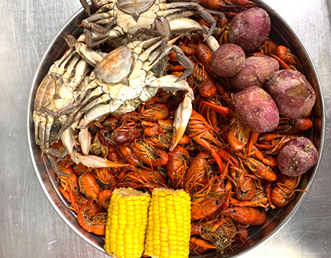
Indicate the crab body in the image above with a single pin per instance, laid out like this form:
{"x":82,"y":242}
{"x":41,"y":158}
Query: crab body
{"x":123,"y":79}
{"x":122,"y":76}
{"x":56,"y":93}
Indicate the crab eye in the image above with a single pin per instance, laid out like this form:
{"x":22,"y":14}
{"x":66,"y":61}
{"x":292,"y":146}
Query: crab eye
{"x":115,"y":66}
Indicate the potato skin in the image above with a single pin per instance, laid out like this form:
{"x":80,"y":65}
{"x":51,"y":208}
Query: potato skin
{"x":250,"y":28}
{"x":227,"y":60}
{"x":256,"y":71}
{"x":256,"y":109}
{"x":297,"y":156}
{"x":292,"y":93}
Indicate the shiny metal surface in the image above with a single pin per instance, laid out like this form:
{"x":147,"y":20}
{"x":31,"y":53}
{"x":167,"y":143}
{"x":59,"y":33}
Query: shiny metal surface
{"x":30,"y":227}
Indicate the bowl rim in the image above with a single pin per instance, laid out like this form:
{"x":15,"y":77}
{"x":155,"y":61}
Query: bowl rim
{"x":58,"y":206}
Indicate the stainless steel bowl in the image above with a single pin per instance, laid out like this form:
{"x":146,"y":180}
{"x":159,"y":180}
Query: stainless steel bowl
{"x":276,"y":219}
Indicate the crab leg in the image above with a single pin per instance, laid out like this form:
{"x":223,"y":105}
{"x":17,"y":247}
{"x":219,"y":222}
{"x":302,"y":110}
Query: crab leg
{"x":98,"y":162}
{"x":86,"y":7}
{"x":211,"y":41}
{"x":201,"y":11}
{"x":184,"y":25}
{"x":89,"y":55}
{"x":98,"y":111}
{"x":184,"y":61}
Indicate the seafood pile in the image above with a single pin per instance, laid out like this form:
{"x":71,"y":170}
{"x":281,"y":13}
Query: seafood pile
{"x":135,"y":102}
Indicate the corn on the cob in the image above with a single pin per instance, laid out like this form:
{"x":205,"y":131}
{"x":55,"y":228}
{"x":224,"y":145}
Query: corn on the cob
{"x":126,"y":223}
{"x":168,"y":228}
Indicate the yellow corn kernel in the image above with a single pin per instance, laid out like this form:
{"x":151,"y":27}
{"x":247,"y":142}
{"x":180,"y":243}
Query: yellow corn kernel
{"x":168,"y":236}
{"x":126,"y":223}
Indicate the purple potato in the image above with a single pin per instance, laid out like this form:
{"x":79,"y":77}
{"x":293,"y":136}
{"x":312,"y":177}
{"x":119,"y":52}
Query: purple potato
{"x":297,"y":156}
{"x":256,"y":109}
{"x":256,"y":72}
{"x":227,"y":60}
{"x":250,"y":28}
{"x":293,"y":94}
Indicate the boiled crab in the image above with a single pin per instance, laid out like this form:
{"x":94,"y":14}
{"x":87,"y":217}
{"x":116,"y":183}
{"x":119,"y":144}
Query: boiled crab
{"x":118,"y":19}
{"x":119,"y":83}
{"x":56,"y":93}
{"x":55,"y":97}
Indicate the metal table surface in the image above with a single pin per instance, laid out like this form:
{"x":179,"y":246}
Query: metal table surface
{"x":30,"y":227}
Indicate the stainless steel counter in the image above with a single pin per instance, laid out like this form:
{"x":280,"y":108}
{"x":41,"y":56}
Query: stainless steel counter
{"x":30,"y":227}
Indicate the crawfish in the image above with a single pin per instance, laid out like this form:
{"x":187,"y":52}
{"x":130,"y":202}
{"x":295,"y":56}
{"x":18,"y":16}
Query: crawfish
{"x":104,"y":198}
{"x":272,"y":143}
{"x":125,"y":133}
{"x":146,"y":153}
{"x":246,"y":215}
{"x":284,"y":191}
{"x":237,"y":135}
{"x":154,"y":112}
{"x":91,"y":218}
{"x":244,"y":185}
{"x":198,"y":245}
{"x":113,"y":155}
{"x":216,"y":104}
{"x":203,"y":134}
{"x":260,"y":170}
{"x":177,"y":166}
{"x":202,"y":207}
{"x":208,"y":200}
{"x":128,"y":155}
{"x":151,"y":129}
{"x":293,"y":126}
{"x":259,"y":200}
{"x":105,"y":175}
{"x":197,"y":172}
{"x":80,"y":169}
{"x":269,"y":161}
{"x":269,"y":47}
{"x":162,"y":141}
{"x":110,"y":122}
{"x":286,"y":59}
{"x":68,"y":185}
{"x":143,"y":176}
{"x":89,"y":186}
{"x":219,"y":232}
{"x":132,"y":116}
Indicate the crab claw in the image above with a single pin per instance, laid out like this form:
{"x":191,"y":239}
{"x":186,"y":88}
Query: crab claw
{"x":84,"y":138}
{"x":182,"y":117}
{"x":97,"y":162}
{"x":69,"y":143}
{"x":183,"y":113}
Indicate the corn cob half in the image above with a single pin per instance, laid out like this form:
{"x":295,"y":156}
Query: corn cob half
{"x":126,"y":223}
{"x":169,"y":224}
